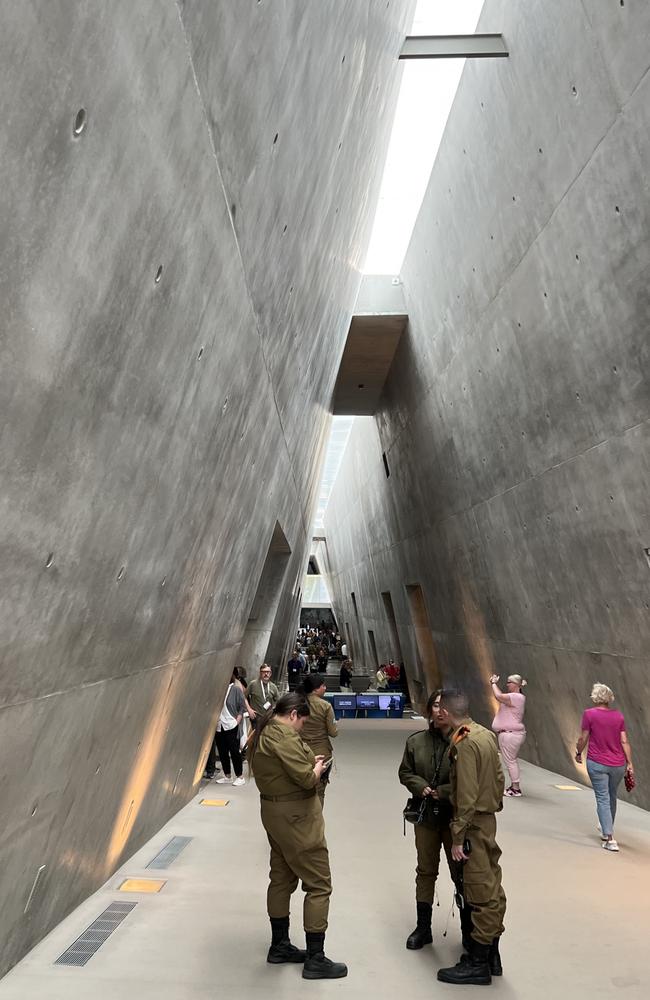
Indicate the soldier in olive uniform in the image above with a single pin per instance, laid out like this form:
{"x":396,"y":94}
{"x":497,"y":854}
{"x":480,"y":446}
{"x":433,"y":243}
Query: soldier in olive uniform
{"x":287,"y":773}
{"x":477,"y":788}
{"x":425,"y":772}
{"x":319,"y":728}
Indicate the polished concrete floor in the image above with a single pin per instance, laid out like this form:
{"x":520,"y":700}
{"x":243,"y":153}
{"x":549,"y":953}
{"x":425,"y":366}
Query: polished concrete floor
{"x":576,"y":924}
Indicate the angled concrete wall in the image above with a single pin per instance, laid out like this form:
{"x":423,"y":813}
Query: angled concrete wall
{"x":515,"y":417}
{"x":177,"y":281}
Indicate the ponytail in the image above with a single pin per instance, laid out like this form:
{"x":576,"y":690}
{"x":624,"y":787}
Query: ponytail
{"x":285,"y":705}
{"x":518,"y":680}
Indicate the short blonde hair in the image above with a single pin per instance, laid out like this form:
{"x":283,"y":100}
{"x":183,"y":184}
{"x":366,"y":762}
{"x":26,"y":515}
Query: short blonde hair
{"x":601,"y":694}
{"x":518,"y":680}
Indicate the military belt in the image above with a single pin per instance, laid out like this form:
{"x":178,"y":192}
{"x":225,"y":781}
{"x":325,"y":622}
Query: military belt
{"x":290,"y":796}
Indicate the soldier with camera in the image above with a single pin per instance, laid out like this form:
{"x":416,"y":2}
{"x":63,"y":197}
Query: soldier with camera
{"x":425,"y":772}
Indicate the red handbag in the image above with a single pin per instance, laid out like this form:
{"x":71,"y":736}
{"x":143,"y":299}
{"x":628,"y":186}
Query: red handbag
{"x":630,"y":783}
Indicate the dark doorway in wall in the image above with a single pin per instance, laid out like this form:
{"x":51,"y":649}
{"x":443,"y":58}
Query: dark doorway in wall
{"x":360,"y":645}
{"x":261,"y":617}
{"x":428,"y":670}
{"x":373,"y":648}
{"x":347,"y":639}
{"x":396,"y":647}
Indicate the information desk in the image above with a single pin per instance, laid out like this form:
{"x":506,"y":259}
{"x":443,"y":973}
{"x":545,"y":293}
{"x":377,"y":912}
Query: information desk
{"x":370,"y":705}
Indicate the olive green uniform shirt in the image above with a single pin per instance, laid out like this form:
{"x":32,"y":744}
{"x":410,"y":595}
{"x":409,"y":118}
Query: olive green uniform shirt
{"x":424,"y":754}
{"x":282,"y":763}
{"x":257,"y":694}
{"x":426,"y":764}
{"x":320,"y":727}
{"x":477,"y":783}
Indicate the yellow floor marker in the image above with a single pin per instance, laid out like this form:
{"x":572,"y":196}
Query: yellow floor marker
{"x":568,"y":788}
{"x":214,"y":802}
{"x":142,"y":885}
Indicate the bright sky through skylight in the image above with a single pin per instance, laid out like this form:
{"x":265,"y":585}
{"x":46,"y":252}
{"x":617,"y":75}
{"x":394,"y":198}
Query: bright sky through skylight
{"x":426,"y":96}
{"x":427,"y":93}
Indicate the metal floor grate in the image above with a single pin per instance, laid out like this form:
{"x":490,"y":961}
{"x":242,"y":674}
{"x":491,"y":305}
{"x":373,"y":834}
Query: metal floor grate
{"x":94,"y":936}
{"x":169,"y":853}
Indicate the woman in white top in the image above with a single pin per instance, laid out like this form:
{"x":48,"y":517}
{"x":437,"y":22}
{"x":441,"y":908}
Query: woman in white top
{"x":509,"y":726}
{"x":227,"y":737}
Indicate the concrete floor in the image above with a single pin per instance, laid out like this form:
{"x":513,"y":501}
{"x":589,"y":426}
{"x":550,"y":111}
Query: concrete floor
{"x":574,"y":923}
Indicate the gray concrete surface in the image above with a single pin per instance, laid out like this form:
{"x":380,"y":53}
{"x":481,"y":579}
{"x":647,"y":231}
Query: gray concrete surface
{"x":573,"y":927}
{"x":515,"y":417}
{"x":154,"y":432}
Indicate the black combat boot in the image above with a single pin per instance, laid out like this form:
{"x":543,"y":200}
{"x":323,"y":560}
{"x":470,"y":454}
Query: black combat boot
{"x":494,"y":959}
{"x":316,"y":965}
{"x":281,"y":949}
{"x":471,"y":970}
{"x":422,"y":934}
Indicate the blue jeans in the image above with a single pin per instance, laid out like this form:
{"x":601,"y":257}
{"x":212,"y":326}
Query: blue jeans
{"x":605,"y":781}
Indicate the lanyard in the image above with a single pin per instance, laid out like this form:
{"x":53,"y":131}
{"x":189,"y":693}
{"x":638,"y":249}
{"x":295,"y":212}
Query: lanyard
{"x":265,"y":694}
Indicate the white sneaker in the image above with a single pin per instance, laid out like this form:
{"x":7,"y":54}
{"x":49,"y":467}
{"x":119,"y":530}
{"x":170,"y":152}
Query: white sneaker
{"x":224,"y":781}
{"x":240,"y":781}
{"x":610,"y":845}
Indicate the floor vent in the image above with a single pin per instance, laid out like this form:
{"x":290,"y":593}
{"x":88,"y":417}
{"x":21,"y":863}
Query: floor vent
{"x":170,"y":852}
{"x":94,"y":936}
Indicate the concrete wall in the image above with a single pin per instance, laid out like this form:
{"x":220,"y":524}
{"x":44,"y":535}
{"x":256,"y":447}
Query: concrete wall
{"x":515,"y":417}
{"x":155,"y":432}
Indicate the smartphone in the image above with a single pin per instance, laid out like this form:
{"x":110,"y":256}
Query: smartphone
{"x":325,"y":773}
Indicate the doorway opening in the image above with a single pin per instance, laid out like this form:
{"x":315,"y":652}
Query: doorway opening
{"x":373,"y":648}
{"x":261,"y":617}
{"x":428,"y":672}
{"x":347,"y":637}
{"x":396,"y":646}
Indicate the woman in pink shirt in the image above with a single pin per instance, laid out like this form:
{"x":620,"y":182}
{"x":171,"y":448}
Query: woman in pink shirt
{"x":509,"y":726}
{"x":608,"y":758}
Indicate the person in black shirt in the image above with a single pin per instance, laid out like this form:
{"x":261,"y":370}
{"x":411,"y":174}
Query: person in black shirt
{"x":322,"y":660}
{"x":294,"y":670}
{"x":345,"y":676}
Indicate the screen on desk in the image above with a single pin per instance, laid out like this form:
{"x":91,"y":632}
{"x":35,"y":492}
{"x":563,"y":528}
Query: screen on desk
{"x":388,"y":701}
{"x":345,"y":702}
{"x":369,"y":701}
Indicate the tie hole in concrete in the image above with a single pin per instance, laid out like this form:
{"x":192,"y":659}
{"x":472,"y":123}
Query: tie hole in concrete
{"x":79,"y":123}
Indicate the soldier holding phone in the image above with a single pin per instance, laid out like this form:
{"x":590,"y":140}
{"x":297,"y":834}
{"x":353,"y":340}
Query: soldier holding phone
{"x":320,"y":728}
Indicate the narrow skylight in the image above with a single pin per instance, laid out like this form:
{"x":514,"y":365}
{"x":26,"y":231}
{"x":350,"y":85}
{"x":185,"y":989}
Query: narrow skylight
{"x":426,"y":96}
{"x":339,"y":434}
{"x":427,"y":93}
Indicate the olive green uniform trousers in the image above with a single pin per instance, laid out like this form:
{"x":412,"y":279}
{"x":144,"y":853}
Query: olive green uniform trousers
{"x":482,"y":879}
{"x":296,"y":833}
{"x":429,"y":841}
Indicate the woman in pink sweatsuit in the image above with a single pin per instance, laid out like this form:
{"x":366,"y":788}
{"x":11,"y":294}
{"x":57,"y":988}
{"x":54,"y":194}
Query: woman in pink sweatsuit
{"x":509,"y":726}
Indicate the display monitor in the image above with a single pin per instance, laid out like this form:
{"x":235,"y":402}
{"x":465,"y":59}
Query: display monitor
{"x":345,"y":702}
{"x":388,"y":701}
{"x":368,"y":701}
